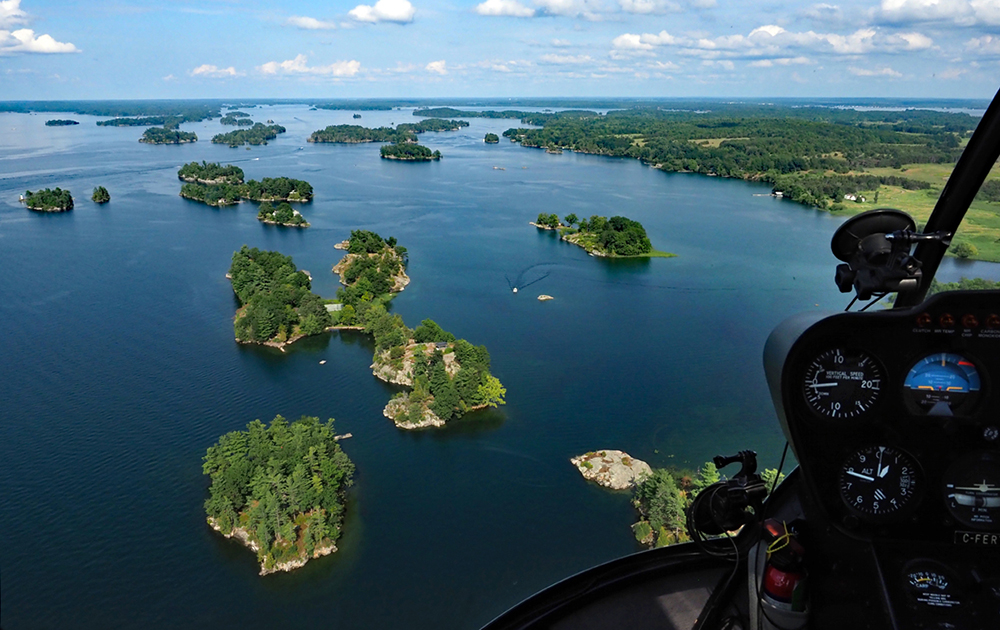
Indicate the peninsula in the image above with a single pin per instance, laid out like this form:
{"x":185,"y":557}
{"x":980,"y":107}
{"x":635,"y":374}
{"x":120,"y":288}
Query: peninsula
{"x":279,"y":490}
{"x":617,"y":237}
{"x":277,"y":307}
{"x":162,"y":135}
{"x":449,"y":377}
{"x":49,"y":200}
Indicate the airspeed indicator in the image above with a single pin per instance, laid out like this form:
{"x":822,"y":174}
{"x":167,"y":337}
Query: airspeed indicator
{"x":842,"y":384}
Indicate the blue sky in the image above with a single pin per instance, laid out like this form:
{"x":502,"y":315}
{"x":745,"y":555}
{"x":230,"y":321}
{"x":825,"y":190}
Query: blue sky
{"x":91,"y":49}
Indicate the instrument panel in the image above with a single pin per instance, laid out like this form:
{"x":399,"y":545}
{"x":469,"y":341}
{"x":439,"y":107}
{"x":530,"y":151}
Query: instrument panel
{"x":894,"y":416}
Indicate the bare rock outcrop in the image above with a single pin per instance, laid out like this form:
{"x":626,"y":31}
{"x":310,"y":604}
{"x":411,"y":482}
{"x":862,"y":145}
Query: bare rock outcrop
{"x":612,"y":469}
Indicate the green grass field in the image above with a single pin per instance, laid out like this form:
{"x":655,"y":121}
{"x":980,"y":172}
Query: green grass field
{"x":981,"y":226}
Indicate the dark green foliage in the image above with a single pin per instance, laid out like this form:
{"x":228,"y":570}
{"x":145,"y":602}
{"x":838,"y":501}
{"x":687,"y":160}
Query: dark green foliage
{"x":571,"y":219}
{"x":213,"y":172}
{"x":101,"y":195}
{"x":283,"y":214}
{"x":660,"y":501}
{"x":58,"y":122}
{"x":268,"y":189}
{"x":491,"y":138}
{"x":284,"y":484}
{"x":162,"y":135}
{"x":817,"y":189}
{"x":352,"y":134}
{"x":964,"y":250}
{"x":239,"y":119}
{"x":277,"y":188}
{"x":409,"y":152}
{"x":365,"y":242}
{"x":548,"y":220}
{"x":624,"y":237}
{"x":215,"y":195}
{"x":990,"y":191}
{"x":449,"y":112}
{"x":432,"y":124}
{"x":49,"y":200}
{"x":430,"y":331}
{"x":965,"y":284}
{"x":168,"y":122}
{"x":258,"y":134}
{"x":276,"y":298}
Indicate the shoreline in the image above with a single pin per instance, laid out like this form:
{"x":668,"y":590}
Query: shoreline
{"x":596,"y":252}
{"x":243,"y":536}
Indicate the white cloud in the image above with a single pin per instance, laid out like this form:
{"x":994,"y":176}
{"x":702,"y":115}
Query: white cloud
{"x":25,"y":41}
{"x":11,"y":14}
{"x":399,"y":11}
{"x":587,"y":9}
{"x":311,"y":24}
{"x":909,"y":41}
{"x":987,"y":45}
{"x":669,"y":66}
{"x":170,"y":77}
{"x":567,"y":59}
{"x":437,"y":67}
{"x":561,"y":43}
{"x":299,"y":66}
{"x":951,"y":73}
{"x":649,"y":6}
{"x":874,"y":72}
{"x":215,"y":72}
{"x":962,"y":12}
{"x":780,"y":61}
{"x":508,"y":8}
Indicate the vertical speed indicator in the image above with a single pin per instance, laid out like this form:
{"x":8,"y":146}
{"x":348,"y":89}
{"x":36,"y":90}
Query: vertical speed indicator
{"x":841,"y":384}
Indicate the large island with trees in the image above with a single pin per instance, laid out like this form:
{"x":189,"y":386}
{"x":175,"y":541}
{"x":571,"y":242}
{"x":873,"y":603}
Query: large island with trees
{"x":408,"y":152}
{"x":277,"y":306}
{"x":49,"y":200}
{"x":258,"y":134}
{"x":617,"y":237}
{"x":163,"y":135}
{"x":217,"y":185}
{"x":279,"y":490}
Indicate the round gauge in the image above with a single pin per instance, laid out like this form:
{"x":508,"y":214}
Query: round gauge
{"x":879,"y":483}
{"x":842,"y":384}
{"x":942,"y":384}
{"x":972,"y":490}
{"x":931,"y":586}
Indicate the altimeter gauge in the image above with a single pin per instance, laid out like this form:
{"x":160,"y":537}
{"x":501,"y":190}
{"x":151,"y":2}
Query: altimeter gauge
{"x":879,"y":483}
{"x":972,"y":490}
{"x":841,"y":384}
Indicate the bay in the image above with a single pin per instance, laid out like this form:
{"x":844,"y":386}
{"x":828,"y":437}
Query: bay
{"x":119,"y":368}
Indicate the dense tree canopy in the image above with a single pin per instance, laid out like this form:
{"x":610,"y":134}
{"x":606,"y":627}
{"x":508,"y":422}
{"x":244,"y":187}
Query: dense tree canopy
{"x":224,"y":194}
{"x":59,"y":122}
{"x":283,"y":214}
{"x":617,"y":236}
{"x":163,"y":135}
{"x":282,"y":484}
{"x":258,"y":134}
{"x":371,"y":268}
{"x":276,"y":300}
{"x":49,"y":200}
{"x":409,"y":152}
{"x":352,"y":134}
{"x":491,"y":138}
{"x":101,"y":195}
{"x":210,"y":173}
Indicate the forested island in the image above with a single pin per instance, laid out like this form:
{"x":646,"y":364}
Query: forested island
{"x":279,"y":489}
{"x":449,"y":377}
{"x":217,"y":185}
{"x":840,"y":160}
{"x":101,"y":195}
{"x":236,"y":118}
{"x":49,"y":200}
{"x":277,"y":306}
{"x":616,"y":237}
{"x":162,"y":135}
{"x":210,"y":173}
{"x":258,"y":134}
{"x":59,"y":122}
{"x":283,"y":214}
{"x":167,"y":122}
{"x":405,"y":132}
{"x":491,"y":138}
{"x":408,"y":152}
{"x":451,"y":112}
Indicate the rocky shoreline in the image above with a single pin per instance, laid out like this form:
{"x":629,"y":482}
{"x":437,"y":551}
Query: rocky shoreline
{"x":612,"y":469}
{"x":243,"y":537}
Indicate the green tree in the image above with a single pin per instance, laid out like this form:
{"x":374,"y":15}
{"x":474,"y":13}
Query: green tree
{"x":492,"y":392}
{"x":101,"y":195}
{"x":571,"y":219}
{"x":965,"y":250}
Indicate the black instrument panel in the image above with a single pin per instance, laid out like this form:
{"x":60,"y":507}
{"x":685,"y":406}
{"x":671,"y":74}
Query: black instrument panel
{"x":894,"y":417}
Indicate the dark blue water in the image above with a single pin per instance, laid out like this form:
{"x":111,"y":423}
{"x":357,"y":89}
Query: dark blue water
{"x":119,"y":369}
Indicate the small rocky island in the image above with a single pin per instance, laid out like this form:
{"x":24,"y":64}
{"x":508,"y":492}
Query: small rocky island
{"x":162,"y":135}
{"x":612,"y":469}
{"x":491,"y":138}
{"x":49,"y":200}
{"x":279,"y":490}
{"x":283,"y":215}
{"x":101,"y":195}
{"x":617,"y":237}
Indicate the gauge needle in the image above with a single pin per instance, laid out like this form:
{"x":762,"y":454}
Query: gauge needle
{"x":860,"y":476}
{"x":818,"y":385}
{"x":880,"y":472}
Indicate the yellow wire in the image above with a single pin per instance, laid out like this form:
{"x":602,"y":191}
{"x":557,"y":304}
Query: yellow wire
{"x":780,"y":542}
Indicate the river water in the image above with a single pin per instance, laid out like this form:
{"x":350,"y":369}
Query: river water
{"x":119,"y":369}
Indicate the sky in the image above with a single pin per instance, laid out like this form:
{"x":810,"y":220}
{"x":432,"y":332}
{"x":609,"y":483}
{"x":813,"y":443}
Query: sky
{"x":121,"y":49}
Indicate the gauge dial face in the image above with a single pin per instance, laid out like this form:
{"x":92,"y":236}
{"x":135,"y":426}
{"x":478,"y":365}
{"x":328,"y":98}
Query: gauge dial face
{"x":972,"y":490}
{"x":879,"y":483}
{"x":942,"y":384}
{"x":931,"y":586}
{"x":841,"y":384}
